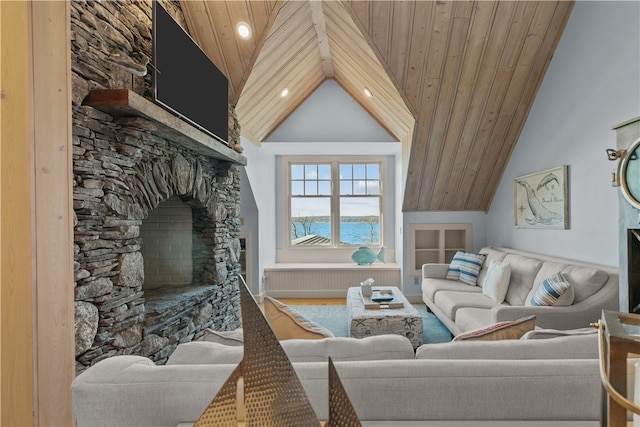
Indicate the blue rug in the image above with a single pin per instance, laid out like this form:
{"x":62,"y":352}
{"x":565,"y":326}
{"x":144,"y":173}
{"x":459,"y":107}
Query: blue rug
{"x":334,"y":318}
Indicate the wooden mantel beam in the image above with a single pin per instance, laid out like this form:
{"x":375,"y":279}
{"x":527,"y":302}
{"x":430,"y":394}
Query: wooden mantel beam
{"x":125,"y":103}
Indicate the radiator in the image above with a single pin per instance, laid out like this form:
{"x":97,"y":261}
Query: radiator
{"x":325,"y":280}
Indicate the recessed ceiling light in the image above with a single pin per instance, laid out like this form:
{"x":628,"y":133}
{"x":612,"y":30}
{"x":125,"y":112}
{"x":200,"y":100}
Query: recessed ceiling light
{"x":244,"y":30}
{"x":368,"y":92}
{"x":284,"y":92}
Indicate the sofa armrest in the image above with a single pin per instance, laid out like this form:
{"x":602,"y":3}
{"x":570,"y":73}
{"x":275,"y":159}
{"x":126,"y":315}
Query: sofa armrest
{"x":434,"y":271}
{"x":565,"y":317}
{"x":132,"y":391}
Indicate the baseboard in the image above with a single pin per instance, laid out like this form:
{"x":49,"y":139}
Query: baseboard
{"x":469,"y":424}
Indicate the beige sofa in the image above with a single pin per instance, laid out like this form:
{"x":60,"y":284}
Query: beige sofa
{"x":462,"y":307}
{"x":526,"y":382}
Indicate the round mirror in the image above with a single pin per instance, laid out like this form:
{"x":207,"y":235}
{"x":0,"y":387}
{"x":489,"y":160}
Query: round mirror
{"x":630,"y":174}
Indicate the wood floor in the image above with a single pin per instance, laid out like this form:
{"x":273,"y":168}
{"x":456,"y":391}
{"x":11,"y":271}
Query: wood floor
{"x":313,"y":301}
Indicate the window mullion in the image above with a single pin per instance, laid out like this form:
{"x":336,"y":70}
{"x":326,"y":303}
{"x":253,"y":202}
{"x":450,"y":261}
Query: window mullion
{"x":335,"y":204}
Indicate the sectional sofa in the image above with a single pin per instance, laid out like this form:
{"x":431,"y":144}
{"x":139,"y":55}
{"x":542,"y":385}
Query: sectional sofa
{"x":462,"y":306}
{"x":520,"y":382}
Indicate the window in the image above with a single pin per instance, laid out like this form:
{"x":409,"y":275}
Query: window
{"x":334,"y":203}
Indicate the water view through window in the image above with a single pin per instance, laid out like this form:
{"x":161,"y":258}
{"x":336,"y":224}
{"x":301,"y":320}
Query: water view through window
{"x":347,"y":194}
{"x":351,"y":232}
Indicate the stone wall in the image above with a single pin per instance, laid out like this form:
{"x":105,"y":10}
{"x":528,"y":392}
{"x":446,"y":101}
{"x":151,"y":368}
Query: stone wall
{"x":121,"y":172}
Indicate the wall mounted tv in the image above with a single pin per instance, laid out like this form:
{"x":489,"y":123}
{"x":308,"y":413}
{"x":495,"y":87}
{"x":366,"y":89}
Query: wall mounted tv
{"x":185,"y":80}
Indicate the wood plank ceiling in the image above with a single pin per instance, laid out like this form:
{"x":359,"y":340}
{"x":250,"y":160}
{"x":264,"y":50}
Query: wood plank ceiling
{"x":453,"y":81}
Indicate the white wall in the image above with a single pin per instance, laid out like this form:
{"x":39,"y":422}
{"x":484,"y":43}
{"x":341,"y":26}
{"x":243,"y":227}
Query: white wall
{"x":260,"y":172}
{"x":591,"y":85}
{"x":250,"y":227}
{"x":330,"y":115}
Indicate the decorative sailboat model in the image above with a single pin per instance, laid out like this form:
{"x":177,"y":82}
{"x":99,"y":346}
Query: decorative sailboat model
{"x":264,"y":389}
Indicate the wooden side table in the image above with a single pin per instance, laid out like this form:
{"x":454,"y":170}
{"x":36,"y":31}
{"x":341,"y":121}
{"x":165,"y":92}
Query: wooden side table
{"x":619,"y":336}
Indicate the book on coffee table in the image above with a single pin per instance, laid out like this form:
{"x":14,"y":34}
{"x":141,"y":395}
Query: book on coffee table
{"x":381,"y":299}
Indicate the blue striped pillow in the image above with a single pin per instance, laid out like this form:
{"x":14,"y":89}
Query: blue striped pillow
{"x":465,"y":267}
{"x":550,"y":290}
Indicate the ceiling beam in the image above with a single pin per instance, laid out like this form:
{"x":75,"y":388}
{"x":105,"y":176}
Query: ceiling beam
{"x":323,"y":40}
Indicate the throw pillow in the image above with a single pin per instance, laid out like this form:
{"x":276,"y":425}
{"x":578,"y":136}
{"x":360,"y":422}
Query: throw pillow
{"x":465,"y":267}
{"x":496,"y":282}
{"x":453,"y":273}
{"x":224,"y":337}
{"x":288,"y":324}
{"x":509,"y":330}
{"x":551,"y":290}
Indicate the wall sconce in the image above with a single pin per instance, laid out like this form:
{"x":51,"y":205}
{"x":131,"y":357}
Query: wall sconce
{"x":614,"y":155}
{"x":627,"y":175}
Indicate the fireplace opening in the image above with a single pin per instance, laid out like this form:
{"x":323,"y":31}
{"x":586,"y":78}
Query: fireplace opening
{"x":167,"y":244}
{"x":177,"y":251}
{"x":633,"y":265}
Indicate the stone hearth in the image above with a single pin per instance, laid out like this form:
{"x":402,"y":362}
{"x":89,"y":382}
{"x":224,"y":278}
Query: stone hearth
{"x":123,"y":168}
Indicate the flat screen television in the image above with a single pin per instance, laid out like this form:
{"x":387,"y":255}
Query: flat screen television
{"x":185,"y":80}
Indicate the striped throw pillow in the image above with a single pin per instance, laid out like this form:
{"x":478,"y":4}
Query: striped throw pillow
{"x":465,"y":267}
{"x":453,"y":273}
{"x":550,"y":290}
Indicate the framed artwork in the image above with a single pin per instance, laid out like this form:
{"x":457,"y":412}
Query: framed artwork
{"x":541,"y":199}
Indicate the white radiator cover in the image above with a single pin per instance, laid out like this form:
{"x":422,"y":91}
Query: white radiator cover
{"x":325,"y":280}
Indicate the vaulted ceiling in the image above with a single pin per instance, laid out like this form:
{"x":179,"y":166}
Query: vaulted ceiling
{"x":453,"y":81}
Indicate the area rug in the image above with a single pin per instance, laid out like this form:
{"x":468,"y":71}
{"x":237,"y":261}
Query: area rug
{"x":334,"y":318}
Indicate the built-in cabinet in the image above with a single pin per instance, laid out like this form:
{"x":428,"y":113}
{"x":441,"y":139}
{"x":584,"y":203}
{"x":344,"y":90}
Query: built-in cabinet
{"x":436,"y":243}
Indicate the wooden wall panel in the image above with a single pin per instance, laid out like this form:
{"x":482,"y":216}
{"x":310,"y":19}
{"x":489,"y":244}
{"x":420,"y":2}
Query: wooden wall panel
{"x":456,"y":146}
{"x":53,"y":214}
{"x":16,"y":341}
{"x":36,"y":306}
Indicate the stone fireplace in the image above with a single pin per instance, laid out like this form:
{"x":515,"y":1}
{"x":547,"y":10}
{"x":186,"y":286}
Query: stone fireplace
{"x":156,"y":216}
{"x":628,"y":230}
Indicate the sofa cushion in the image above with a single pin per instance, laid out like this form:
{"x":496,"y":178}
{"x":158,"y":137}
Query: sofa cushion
{"x":523,"y":272}
{"x":496,"y":282}
{"x":288,"y":324}
{"x":509,"y":330}
{"x":204,"y":352}
{"x":378,"y":347}
{"x":465,"y":267}
{"x":430,"y":287}
{"x":449,"y":302}
{"x":586,"y":281}
{"x":235,"y":337}
{"x":492,"y":254}
{"x":540,"y":333}
{"x":468,"y":318}
{"x":553,"y":291}
{"x":565,"y":347}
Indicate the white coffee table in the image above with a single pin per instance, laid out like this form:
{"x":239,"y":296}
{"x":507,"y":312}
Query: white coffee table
{"x":405,"y":321}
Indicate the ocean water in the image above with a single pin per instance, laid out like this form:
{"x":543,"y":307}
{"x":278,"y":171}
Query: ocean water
{"x":352,"y":233}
